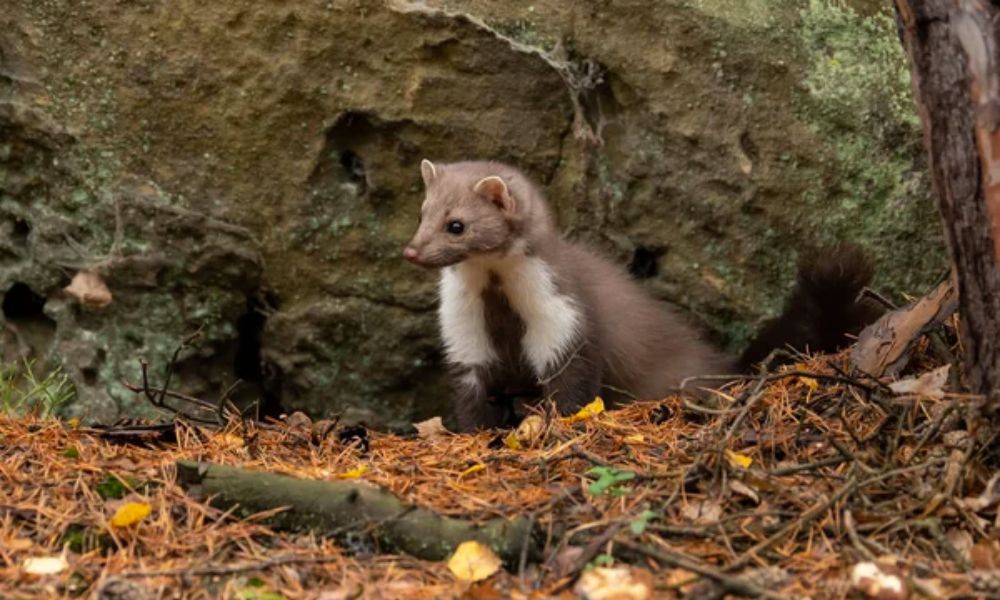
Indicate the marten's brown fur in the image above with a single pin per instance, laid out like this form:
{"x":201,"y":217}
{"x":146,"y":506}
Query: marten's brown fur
{"x":523,"y":310}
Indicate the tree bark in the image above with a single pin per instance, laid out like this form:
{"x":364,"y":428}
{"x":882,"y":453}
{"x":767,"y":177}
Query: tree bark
{"x":954,"y":53}
{"x":343,"y":509}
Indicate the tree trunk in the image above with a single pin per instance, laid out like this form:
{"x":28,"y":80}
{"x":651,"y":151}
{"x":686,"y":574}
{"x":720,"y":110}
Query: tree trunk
{"x":954,"y":51}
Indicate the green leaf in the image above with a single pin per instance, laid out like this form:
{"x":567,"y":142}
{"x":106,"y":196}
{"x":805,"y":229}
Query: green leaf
{"x":71,"y":452}
{"x":255,"y":593}
{"x":602,"y":560}
{"x":639,"y":524}
{"x":607,"y":479}
{"x":113,"y":488}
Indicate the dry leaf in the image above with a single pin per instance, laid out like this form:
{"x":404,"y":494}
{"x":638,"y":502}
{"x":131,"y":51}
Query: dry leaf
{"x":530,"y":431}
{"x":44,"y":565}
{"x":985,"y":555}
{"x":989,"y":497}
{"x":568,"y":560}
{"x":930,"y":384}
{"x":961,"y":540}
{"x":636,"y":438}
{"x":738,"y":461}
{"x":227,"y":440}
{"x":18,"y":543}
{"x":430,"y":428}
{"x":131,"y":513}
{"x":89,"y":290}
{"x":591,"y":410}
{"x":353,"y":473}
{"x":473,"y":561}
{"x":615,"y":583}
{"x":879,"y":581}
{"x":511,"y":441}
{"x":706,"y":511}
{"x":298,"y":420}
{"x":809,"y":382}
{"x":744,"y":490}
{"x":680,"y":579}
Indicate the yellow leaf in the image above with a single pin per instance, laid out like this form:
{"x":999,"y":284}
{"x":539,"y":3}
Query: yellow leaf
{"x":511,"y":441}
{"x":636,"y":438}
{"x":591,"y":410}
{"x":73,"y":423}
{"x":473,"y":561}
{"x":353,"y":473}
{"x":131,"y":513}
{"x":228,"y":440}
{"x":473,"y":469}
{"x":810,"y":383}
{"x":737,"y":460}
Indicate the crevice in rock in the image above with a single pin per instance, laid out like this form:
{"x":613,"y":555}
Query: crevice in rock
{"x":22,"y":229}
{"x":645,"y":261}
{"x":248,"y":363}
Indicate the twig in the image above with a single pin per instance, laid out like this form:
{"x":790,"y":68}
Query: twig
{"x":217,"y":570}
{"x":677,"y":560}
{"x":792,"y":469}
{"x":805,"y":519}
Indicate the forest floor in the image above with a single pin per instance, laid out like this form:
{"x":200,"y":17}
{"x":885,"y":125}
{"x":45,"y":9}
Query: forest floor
{"x":777,"y":486}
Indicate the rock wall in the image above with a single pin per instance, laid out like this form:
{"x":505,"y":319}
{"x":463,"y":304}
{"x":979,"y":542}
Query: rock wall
{"x":251,"y":168}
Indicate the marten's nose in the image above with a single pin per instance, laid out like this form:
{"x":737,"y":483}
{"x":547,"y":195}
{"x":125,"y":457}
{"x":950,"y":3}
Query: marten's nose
{"x":410,"y":253}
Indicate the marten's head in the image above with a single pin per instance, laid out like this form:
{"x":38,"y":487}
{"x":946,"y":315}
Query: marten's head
{"x":469,"y":209}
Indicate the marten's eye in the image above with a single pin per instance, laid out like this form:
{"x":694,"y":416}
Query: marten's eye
{"x":455,"y":227}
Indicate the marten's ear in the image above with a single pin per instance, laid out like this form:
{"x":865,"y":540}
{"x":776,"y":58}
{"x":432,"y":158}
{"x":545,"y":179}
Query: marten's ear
{"x":428,"y":171}
{"x":495,"y":190}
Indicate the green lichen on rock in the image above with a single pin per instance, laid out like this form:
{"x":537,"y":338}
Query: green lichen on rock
{"x":858,"y":97}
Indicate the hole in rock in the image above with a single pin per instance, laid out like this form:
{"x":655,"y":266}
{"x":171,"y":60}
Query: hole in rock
{"x":21,"y":303}
{"x":645,"y":262}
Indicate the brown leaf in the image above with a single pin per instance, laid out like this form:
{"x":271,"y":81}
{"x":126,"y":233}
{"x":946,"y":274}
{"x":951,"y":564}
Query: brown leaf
{"x":299,"y":420}
{"x":930,"y":384}
{"x":706,"y":511}
{"x":89,"y":290}
{"x":883,"y":346}
{"x":530,"y":431}
{"x":989,"y":497}
{"x":985,"y":555}
{"x":744,"y":490}
{"x":615,"y":583}
{"x":430,"y":428}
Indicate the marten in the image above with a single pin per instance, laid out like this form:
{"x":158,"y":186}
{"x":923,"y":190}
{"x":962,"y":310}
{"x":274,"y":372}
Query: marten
{"x":523,"y":311}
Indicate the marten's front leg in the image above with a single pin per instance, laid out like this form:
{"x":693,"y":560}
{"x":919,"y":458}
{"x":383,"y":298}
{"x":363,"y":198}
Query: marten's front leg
{"x":576,"y":382}
{"x":471,"y":405}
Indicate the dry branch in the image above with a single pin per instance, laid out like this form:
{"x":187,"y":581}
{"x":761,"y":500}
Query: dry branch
{"x":883,"y":347}
{"x":339,"y":508}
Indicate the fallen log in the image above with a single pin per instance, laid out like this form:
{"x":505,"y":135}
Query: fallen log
{"x":341,"y":509}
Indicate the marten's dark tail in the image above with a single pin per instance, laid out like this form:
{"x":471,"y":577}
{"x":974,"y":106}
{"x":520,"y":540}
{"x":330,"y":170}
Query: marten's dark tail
{"x":823,"y":308}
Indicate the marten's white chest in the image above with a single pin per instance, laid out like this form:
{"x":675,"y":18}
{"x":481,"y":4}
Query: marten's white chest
{"x":552,"y":319}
